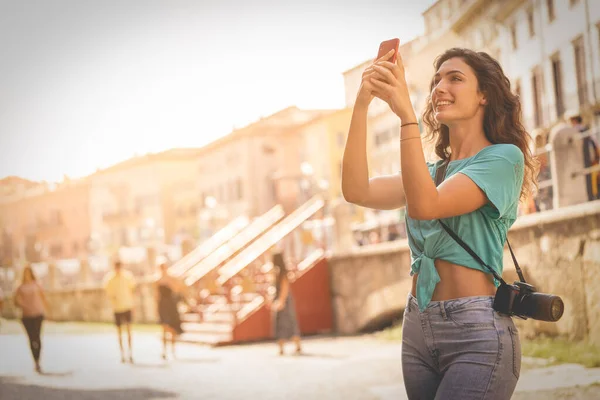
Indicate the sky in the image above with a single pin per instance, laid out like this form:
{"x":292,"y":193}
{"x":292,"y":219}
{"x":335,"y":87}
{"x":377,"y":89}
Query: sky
{"x":86,"y":84}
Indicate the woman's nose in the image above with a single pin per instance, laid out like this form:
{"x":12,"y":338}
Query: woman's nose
{"x":440,"y":88}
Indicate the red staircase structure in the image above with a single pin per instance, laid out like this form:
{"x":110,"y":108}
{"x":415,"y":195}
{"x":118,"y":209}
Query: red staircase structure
{"x":236,"y":311}
{"x":181,"y":267}
{"x":311,"y":291}
{"x":235,"y":243}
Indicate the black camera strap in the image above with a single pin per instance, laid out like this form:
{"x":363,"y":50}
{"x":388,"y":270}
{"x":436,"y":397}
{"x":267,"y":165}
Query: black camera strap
{"x":440,"y":175}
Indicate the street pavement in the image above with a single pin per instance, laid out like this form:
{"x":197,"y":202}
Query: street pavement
{"x":87,"y":366}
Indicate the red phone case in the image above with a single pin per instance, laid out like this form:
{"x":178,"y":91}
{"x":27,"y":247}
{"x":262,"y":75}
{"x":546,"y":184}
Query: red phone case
{"x":388,"y":45}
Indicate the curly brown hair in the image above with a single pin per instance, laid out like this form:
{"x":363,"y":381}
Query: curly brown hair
{"x":502,"y":116}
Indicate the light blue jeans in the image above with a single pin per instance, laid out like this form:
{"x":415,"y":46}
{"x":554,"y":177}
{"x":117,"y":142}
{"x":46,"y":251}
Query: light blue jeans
{"x":459,"y":349}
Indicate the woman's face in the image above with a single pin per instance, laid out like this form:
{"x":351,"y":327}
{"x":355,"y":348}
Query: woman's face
{"x":455,"y":94}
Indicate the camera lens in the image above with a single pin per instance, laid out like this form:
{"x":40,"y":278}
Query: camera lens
{"x":542,"y":306}
{"x":557,"y":309}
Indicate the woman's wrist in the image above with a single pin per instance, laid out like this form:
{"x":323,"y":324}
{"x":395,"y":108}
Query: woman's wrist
{"x":361,"y":106}
{"x":408,"y":117}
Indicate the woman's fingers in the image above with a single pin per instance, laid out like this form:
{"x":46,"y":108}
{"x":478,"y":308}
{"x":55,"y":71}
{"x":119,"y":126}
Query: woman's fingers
{"x":399,"y":62}
{"x":374,"y":91}
{"x":376,"y":74}
{"x":396,"y":70}
{"x":370,"y":88}
{"x":382,"y":59}
{"x":386,"y":56}
{"x":385,"y":74}
{"x":381,"y":86}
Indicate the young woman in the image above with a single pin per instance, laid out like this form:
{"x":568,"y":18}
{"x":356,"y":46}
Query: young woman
{"x":285,"y":323}
{"x":454,"y":344}
{"x":167,"y":289}
{"x":29,"y":296}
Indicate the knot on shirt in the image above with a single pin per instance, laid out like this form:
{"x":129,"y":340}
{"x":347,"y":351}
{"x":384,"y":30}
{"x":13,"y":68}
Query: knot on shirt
{"x":426,"y":281}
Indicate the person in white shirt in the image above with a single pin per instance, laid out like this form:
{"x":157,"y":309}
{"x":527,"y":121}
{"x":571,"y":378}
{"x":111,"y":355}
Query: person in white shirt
{"x":120,"y":285}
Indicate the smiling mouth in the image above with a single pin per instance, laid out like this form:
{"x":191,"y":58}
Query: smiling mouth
{"x":442,"y":105}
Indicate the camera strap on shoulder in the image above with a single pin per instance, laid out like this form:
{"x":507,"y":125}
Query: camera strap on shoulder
{"x":440,"y":175}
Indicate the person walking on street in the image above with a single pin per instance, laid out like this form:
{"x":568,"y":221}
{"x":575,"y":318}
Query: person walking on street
{"x":285,"y":323}
{"x":168,"y":289}
{"x":30,"y":298}
{"x":119,"y":285}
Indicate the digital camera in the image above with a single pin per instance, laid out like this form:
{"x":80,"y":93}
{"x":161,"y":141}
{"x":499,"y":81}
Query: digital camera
{"x":521,"y":300}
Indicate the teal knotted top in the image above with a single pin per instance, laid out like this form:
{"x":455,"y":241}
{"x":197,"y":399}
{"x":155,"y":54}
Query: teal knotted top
{"x":498,"y":171}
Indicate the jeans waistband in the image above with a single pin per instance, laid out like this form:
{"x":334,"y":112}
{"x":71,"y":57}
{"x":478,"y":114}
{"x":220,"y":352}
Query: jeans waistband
{"x":452,"y":304}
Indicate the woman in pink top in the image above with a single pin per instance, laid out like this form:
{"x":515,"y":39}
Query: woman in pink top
{"x":30,"y":298}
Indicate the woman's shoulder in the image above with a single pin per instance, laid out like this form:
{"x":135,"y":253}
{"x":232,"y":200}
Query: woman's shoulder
{"x":434,"y":163}
{"x":433,"y":166}
{"x":507,"y":151}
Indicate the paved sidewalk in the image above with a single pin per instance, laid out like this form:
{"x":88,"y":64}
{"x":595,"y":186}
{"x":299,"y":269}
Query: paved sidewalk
{"x":88,"y":367}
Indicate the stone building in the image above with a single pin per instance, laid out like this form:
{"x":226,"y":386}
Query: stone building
{"x":41,"y":221}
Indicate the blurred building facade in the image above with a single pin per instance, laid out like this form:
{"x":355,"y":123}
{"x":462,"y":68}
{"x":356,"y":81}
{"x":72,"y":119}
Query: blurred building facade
{"x":322,"y":142}
{"x":142,"y":202}
{"x":239,"y":173}
{"x":44,"y":221}
{"x":549,"y":49}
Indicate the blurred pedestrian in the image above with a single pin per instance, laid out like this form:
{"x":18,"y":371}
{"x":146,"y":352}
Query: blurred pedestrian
{"x":168,"y":292}
{"x":29,"y":297}
{"x":120,"y":285}
{"x":543,"y":199}
{"x":591,"y":154}
{"x":285,"y":323}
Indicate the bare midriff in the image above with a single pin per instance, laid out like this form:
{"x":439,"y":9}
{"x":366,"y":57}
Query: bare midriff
{"x":457,"y":281}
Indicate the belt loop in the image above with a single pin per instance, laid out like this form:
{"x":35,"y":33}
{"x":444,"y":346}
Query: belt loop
{"x":408,"y":302}
{"x":443,"y":310}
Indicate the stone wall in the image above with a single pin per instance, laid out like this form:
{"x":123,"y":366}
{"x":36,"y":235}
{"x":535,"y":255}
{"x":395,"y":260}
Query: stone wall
{"x":559,"y":252}
{"x":368,"y":284}
{"x":90,"y":303}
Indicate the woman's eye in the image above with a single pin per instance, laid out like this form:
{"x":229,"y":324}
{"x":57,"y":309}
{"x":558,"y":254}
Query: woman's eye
{"x":456,"y":78}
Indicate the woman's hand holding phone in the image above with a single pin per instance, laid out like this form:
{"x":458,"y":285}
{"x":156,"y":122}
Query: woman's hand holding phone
{"x":389,"y":84}
{"x":366,"y":91}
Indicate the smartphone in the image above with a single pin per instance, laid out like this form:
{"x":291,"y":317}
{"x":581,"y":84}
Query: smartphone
{"x":387,"y":45}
